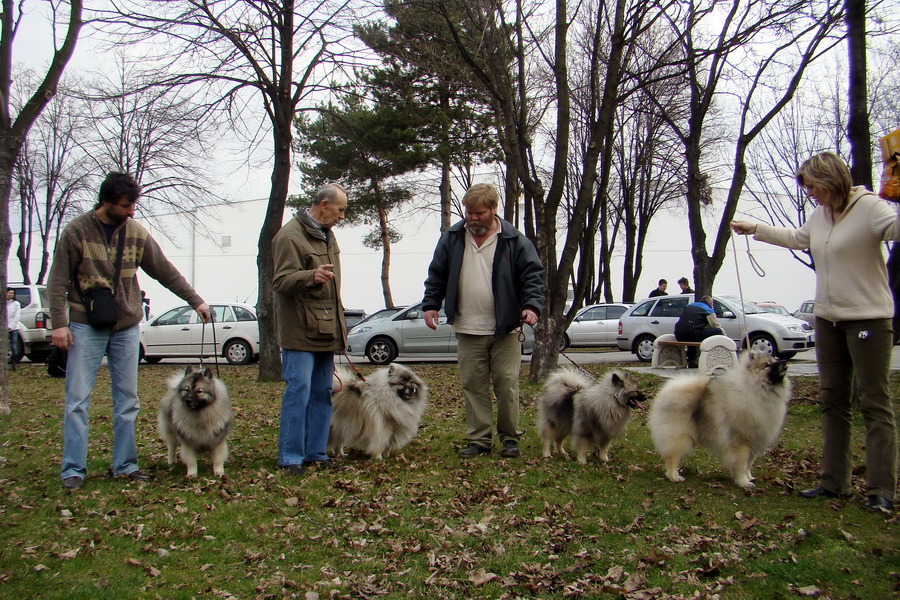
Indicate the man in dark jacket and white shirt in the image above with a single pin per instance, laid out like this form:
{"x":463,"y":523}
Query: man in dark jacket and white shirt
{"x":311,"y":326}
{"x":490,"y":280}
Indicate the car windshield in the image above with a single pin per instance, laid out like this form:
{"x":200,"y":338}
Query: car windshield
{"x":380,"y":315}
{"x":749,"y":308}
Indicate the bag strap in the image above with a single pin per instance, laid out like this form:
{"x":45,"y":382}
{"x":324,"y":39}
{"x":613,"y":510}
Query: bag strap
{"x":120,"y":250}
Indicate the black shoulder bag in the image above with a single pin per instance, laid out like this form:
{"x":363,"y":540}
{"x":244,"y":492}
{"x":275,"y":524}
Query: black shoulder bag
{"x":100,"y":303}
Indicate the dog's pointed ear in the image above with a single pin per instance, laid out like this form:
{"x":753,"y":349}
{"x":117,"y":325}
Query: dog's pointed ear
{"x":617,"y":380}
{"x":390,"y":369}
{"x":207,"y":372}
{"x":188,"y":370}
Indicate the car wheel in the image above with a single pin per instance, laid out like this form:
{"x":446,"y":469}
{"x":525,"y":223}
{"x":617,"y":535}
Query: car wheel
{"x":38,"y":357}
{"x":643,"y":348}
{"x":563,"y":343}
{"x":152,"y":360}
{"x":764,"y":344}
{"x":381,"y":351}
{"x":786,"y":355}
{"x":238,"y":352}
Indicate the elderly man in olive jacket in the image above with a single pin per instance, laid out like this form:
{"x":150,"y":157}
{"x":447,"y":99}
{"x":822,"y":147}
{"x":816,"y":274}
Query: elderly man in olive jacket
{"x":311,"y":326}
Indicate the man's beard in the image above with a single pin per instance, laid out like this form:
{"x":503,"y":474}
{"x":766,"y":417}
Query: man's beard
{"x":476,"y":228}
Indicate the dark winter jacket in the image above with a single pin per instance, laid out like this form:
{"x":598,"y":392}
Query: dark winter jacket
{"x":517,"y":276}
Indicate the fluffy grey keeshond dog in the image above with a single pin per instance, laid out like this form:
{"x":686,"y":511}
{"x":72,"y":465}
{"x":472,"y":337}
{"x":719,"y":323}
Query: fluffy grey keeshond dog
{"x":737,"y":416}
{"x":593,"y":413}
{"x":378,"y":415}
{"x":196,"y":415}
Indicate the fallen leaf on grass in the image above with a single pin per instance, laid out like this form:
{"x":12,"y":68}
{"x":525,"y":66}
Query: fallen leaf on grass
{"x":480,"y":577}
{"x":809,"y":590}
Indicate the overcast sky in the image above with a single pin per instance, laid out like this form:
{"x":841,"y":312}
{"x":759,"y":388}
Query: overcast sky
{"x":667,"y":254}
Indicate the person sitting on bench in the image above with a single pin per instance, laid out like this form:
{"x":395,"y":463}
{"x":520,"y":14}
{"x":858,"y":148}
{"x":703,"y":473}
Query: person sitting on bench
{"x":697,"y":322}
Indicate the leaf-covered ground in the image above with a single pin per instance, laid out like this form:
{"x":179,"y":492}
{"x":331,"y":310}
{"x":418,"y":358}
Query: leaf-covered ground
{"x":423,"y":523}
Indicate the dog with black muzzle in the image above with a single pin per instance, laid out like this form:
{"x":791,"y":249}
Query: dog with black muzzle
{"x":379,"y":415}
{"x":593,"y":413}
{"x":196,"y":416}
{"x":737,"y":416}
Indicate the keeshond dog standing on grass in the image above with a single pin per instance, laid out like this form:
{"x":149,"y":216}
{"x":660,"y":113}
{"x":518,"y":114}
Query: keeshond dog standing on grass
{"x":594,"y":414}
{"x":379,"y":415}
{"x":737,"y":416}
{"x":196,"y":415}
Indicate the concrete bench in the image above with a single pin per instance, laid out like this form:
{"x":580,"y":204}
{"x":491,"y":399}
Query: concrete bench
{"x":717,"y":353}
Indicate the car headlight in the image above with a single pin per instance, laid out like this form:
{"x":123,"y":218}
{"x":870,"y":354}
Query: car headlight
{"x":359,"y":330}
{"x":797,"y":328}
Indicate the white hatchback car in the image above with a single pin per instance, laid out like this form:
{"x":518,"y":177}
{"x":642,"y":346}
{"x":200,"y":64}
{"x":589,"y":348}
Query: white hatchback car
{"x":179,"y":332}
{"x":594,"y":325}
{"x":751,"y":326}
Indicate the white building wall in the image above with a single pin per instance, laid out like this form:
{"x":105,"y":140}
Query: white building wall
{"x":217,"y":254}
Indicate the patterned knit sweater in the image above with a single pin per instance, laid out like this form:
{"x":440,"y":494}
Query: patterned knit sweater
{"x":83,"y":252}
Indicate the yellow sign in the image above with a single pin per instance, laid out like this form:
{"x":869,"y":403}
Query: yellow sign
{"x":890,"y":144}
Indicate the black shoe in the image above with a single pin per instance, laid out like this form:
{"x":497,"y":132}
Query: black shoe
{"x":474,"y":450}
{"x":138,"y":476}
{"x":510,"y":449}
{"x":876,"y":503}
{"x":73,"y":483}
{"x":293,"y":469}
{"x":820,"y":491}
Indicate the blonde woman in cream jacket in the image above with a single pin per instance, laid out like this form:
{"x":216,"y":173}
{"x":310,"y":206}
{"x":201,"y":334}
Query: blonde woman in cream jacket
{"x":845,"y":235}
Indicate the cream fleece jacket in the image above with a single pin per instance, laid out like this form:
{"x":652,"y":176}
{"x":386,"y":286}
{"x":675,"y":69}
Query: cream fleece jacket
{"x":851,"y":276}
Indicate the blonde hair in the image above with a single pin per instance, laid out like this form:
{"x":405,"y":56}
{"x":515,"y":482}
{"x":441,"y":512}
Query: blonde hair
{"x":829,"y":173}
{"x":481,"y":194}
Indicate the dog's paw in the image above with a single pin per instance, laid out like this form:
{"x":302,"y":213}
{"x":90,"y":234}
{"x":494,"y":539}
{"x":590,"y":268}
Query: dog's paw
{"x":675,"y":477}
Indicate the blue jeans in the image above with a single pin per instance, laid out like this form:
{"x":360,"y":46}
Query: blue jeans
{"x":85,"y":355}
{"x":305,"y":406}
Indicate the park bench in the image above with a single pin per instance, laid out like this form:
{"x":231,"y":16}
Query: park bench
{"x":717,"y":353}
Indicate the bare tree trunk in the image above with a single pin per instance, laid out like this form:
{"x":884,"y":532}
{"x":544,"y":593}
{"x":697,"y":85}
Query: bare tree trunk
{"x":13,"y":132}
{"x":858,"y":95}
{"x":269,"y":351}
{"x":385,"y":256}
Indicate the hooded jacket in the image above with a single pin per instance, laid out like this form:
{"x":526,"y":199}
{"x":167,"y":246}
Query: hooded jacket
{"x":517,"y":276}
{"x":851,"y":276}
{"x":309,"y":315}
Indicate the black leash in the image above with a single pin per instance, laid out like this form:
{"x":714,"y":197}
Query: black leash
{"x":212,"y":320}
{"x":552,"y":345}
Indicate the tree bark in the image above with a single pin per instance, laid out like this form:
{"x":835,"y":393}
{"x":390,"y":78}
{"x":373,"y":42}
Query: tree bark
{"x":13,"y":132}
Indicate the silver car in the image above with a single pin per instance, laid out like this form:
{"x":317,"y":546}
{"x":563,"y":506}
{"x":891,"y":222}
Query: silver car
{"x":594,"y":325}
{"x":405,"y":335}
{"x":748,"y":325}
{"x":805,"y":312}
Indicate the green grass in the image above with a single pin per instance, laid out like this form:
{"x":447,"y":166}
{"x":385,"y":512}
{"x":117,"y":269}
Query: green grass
{"x":422,"y":524}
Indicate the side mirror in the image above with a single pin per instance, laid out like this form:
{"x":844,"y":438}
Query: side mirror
{"x":413,"y":314}
{"x":728,"y":315}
